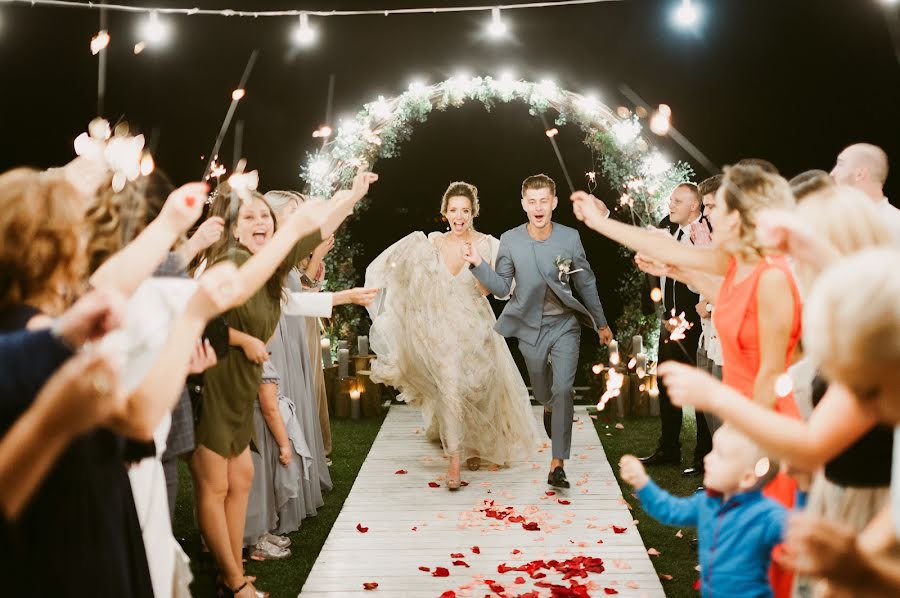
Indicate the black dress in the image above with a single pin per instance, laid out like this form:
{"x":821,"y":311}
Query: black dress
{"x":80,"y":534}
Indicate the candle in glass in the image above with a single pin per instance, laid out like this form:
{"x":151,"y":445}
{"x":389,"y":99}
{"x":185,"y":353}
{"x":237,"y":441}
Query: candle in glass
{"x":354,"y":404}
{"x":362,"y":343}
{"x":637,"y":344}
{"x":613,"y":353}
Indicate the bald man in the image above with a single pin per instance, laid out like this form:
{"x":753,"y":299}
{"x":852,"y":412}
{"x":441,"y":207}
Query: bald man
{"x":865,"y":167}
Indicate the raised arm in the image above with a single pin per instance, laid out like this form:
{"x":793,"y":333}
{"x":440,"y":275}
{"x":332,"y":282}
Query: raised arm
{"x":664,"y":249}
{"x":835,"y":423}
{"x":127,"y":269}
{"x":160,"y":388}
{"x":498,"y":280}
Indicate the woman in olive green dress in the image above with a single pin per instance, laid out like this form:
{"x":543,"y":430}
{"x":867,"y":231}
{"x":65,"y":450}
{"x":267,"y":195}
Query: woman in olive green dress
{"x":221,"y":464}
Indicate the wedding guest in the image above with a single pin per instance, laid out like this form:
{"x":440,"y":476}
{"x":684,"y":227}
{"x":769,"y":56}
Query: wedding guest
{"x":685,"y":215}
{"x":864,"y":359}
{"x":737,"y":527}
{"x":808,"y":182}
{"x":222,"y":466}
{"x":865,"y":166}
{"x":758,"y":305}
{"x":709,"y":349}
{"x":763,"y":165}
{"x":86,"y":501}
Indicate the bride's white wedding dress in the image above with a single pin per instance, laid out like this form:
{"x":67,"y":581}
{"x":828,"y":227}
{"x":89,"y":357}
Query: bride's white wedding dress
{"x":433,"y":333}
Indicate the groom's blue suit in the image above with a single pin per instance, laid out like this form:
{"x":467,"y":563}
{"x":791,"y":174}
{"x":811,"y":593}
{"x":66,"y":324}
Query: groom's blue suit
{"x":546,"y":324}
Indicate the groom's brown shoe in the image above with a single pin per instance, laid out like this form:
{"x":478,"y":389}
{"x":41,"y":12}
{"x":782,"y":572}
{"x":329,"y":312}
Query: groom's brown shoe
{"x":548,"y":421}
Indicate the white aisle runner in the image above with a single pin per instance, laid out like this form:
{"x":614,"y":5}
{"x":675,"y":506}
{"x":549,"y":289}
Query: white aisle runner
{"x":412,"y":526}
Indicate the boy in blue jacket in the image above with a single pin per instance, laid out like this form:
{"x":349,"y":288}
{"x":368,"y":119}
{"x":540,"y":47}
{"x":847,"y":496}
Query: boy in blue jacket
{"x":737,"y":526}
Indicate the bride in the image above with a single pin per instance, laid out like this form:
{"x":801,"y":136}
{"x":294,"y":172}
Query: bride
{"x":432,"y":329}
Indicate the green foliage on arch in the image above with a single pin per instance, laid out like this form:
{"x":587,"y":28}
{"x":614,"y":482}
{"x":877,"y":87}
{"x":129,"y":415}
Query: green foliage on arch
{"x":626,"y":160}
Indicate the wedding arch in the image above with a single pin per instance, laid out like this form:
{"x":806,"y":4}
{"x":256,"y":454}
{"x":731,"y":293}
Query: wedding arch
{"x":626,"y":159}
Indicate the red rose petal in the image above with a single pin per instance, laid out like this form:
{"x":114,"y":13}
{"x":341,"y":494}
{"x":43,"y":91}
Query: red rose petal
{"x":531,"y":526}
{"x":619,"y":530}
{"x":496,"y":587}
{"x":425,"y":569}
{"x":516,"y":551}
{"x":610,"y":591}
{"x":449,"y":594}
{"x":457,"y":555}
{"x":361,"y":529}
{"x":520,"y":580}
{"x":401,"y":472}
{"x":563,"y":502}
{"x":415,"y":528}
{"x":697,"y":585}
{"x":476,"y":550}
{"x":370,"y":585}
{"x":463,"y":483}
{"x":433,"y":485}
{"x":440,"y":572}
{"x":460,"y":564}
{"x":550,"y":493}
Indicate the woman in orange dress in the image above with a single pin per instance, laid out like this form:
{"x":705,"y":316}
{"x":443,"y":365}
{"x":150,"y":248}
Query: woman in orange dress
{"x":757,"y":304}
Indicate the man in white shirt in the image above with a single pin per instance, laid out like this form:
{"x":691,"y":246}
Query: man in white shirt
{"x":678,"y":298}
{"x":865,"y":167}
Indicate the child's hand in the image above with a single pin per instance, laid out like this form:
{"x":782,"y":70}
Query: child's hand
{"x":633,"y":472}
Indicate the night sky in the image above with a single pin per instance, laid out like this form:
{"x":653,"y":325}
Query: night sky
{"x":787,"y":80}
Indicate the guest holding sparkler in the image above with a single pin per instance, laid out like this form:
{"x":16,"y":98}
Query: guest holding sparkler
{"x":758,"y":303}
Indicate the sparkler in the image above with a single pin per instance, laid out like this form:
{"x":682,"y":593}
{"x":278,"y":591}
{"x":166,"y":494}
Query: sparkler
{"x":236,"y":96}
{"x":559,"y":157}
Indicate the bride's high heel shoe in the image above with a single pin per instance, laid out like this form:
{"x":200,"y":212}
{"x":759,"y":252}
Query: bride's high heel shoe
{"x":453,"y":475}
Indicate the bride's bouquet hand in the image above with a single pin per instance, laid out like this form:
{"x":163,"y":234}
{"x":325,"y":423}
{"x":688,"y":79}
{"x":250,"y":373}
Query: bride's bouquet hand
{"x":470,"y":254}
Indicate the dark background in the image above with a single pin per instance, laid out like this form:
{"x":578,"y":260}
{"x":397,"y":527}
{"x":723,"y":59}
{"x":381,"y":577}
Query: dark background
{"x":787,"y":80}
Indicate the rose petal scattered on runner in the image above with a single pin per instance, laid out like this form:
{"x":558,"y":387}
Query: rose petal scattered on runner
{"x":461,"y":564}
{"x":440,"y":572}
{"x":457,"y":555}
{"x":370,"y":585}
{"x":476,"y":550}
{"x":433,"y":485}
{"x":563,"y":502}
{"x":550,"y":493}
{"x":619,"y":530}
{"x":610,"y":591}
{"x":414,"y":528}
{"x":633,"y":585}
{"x":401,"y":472}
{"x":361,"y":529}
{"x":621,"y":565}
{"x":425,"y":569}
{"x":449,"y":594}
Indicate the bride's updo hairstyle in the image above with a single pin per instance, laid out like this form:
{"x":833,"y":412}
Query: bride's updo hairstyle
{"x":461,"y":189}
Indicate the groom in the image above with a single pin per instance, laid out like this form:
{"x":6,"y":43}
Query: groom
{"x":546,"y":260}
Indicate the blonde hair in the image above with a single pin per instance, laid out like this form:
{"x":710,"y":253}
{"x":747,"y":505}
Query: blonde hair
{"x":748,"y":189}
{"x":461,"y":189}
{"x":852,"y":316}
{"x":41,"y":262}
{"x":279,"y":200}
{"x":846,"y":218}
{"x":539,"y":181}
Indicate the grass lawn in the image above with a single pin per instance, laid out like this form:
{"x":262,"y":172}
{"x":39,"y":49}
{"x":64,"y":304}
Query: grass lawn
{"x":352,"y":441}
{"x":677,"y":557}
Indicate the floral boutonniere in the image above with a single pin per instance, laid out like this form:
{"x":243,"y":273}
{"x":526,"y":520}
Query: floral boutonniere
{"x":564,"y":266}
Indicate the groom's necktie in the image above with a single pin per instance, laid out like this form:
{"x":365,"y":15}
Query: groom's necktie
{"x":670,"y":283}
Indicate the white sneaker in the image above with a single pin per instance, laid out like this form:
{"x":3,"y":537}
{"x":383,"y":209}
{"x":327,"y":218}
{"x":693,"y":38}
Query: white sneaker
{"x":266,"y":551}
{"x":279,"y":541}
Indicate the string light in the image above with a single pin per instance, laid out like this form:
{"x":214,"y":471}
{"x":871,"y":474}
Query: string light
{"x":497,"y":28}
{"x":686,"y":15}
{"x":323,"y":132}
{"x":304,"y":34}
{"x":238,"y":94}
{"x":154,"y":30}
{"x":228,"y":12}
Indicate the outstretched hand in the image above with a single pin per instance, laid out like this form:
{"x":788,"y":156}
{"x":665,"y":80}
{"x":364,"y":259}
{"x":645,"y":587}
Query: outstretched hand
{"x":588,"y":208}
{"x":606,"y":335}
{"x":632,"y":472}
{"x":686,"y":385}
{"x":184,"y":206}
